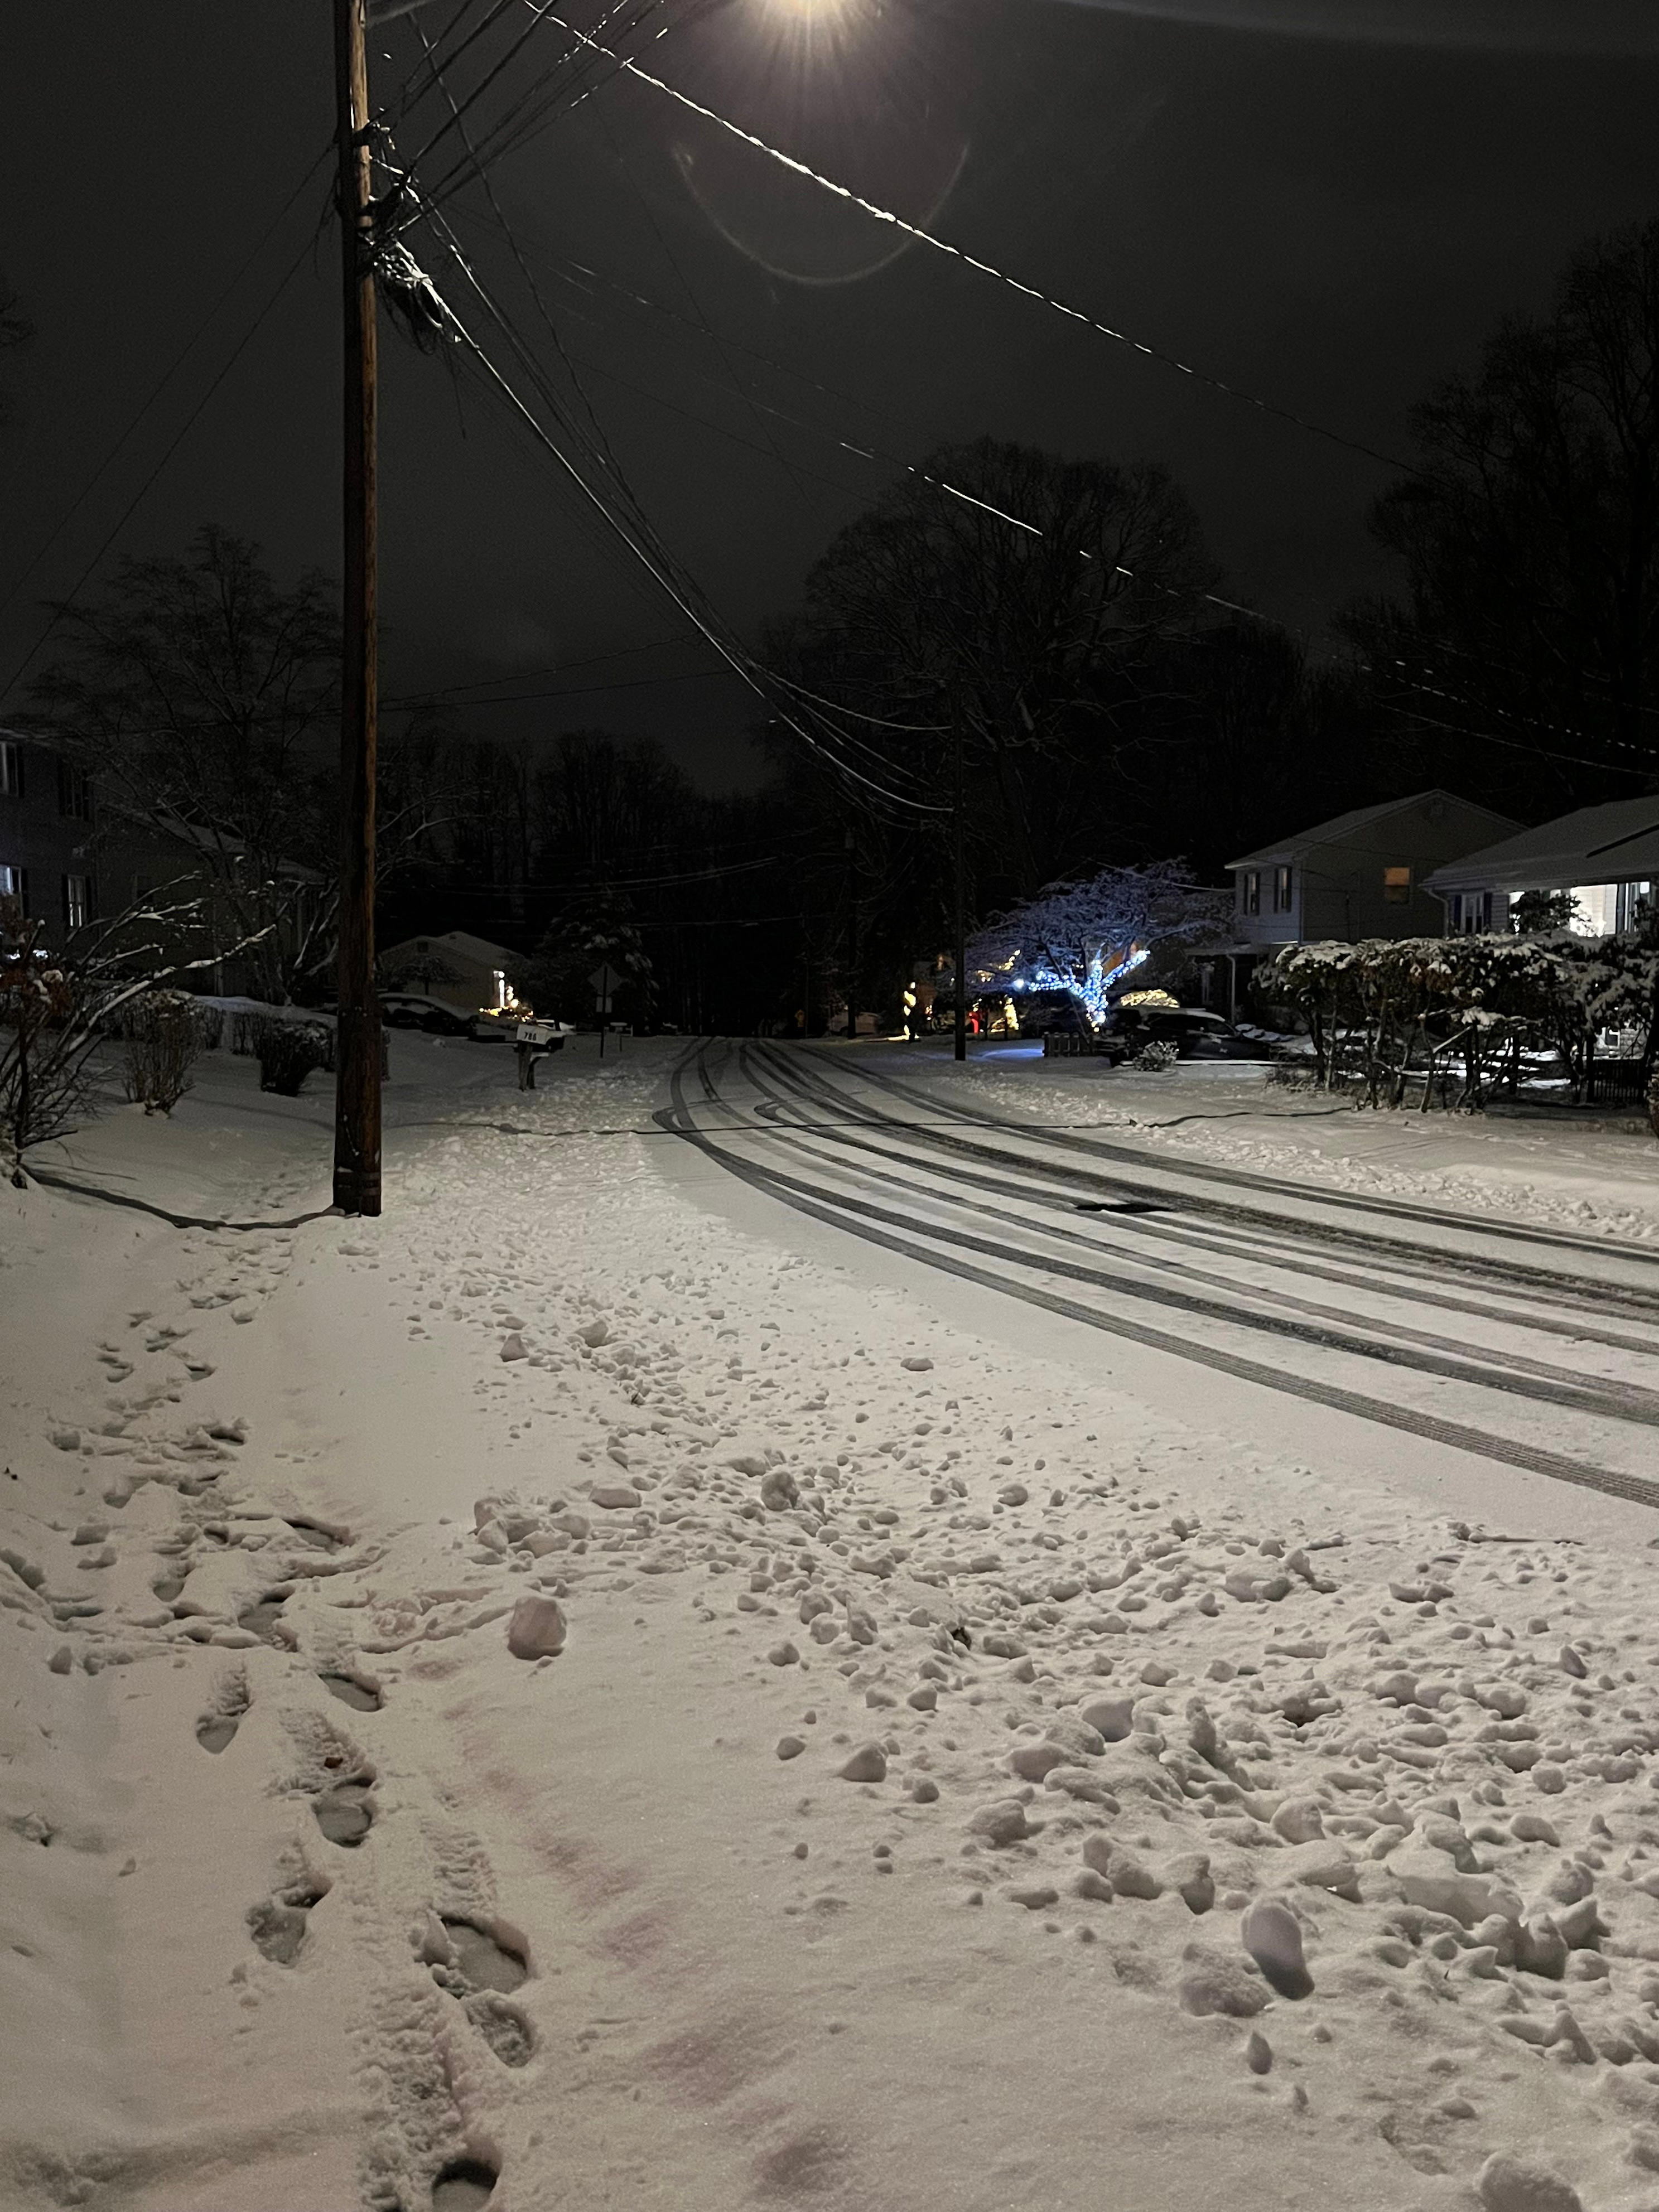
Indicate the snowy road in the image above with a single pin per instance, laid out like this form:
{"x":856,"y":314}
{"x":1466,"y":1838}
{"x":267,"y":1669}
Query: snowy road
{"x":1524,"y":1346}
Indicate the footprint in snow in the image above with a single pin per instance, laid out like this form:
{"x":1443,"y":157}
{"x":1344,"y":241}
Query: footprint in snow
{"x":318,"y":1534}
{"x":343,"y":1811}
{"x":264,"y":1619}
{"x":362,"y":1697}
{"x":216,"y":1726}
{"x":479,"y":1967}
{"x":278,"y":1923}
{"x":465,"y":2185}
{"x":486,"y":1961}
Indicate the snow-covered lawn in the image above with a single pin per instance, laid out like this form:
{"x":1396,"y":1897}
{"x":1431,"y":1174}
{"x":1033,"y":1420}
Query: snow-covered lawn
{"x":964,"y":1783}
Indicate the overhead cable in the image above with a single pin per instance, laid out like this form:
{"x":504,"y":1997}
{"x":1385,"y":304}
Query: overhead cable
{"x":928,"y":238}
{"x":742,"y":665}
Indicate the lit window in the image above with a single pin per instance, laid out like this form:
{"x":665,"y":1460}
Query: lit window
{"x":1397,"y":886}
{"x":11,"y":769}
{"x":1281,"y":891}
{"x":14,"y":884}
{"x":77,"y":902}
{"x":1250,"y":891}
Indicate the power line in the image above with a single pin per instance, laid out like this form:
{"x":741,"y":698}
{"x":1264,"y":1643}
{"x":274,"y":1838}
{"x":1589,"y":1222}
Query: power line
{"x":641,"y":537}
{"x":876,"y":454}
{"x":928,"y":238}
{"x":733,"y":655}
{"x":624,"y":63}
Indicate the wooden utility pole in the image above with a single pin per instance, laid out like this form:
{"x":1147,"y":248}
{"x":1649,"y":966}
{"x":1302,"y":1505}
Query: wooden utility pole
{"x":852,"y":933}
{"x":962,"y":901}
{"x":357,"y":1057}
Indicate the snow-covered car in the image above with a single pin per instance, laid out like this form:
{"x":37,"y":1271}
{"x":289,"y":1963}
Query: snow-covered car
{"x":1195,"y":1033}
{"x":413,"y":1009}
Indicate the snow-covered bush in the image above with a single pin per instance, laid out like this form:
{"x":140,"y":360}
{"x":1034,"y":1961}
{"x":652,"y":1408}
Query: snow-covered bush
{"x":1156,"y":1058}
{"x":288,"y":1051}
{"x":163,"y":1032}
{"x":1085,"y":937}
{"x":1387,"y":1011}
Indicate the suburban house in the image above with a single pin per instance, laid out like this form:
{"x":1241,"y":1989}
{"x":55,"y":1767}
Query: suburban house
{"x":1607,"y":857}
{"x":466,"y":972}
{"x":48,"y":860}
{"x":70,"y":858}
{"x":1362,"y":874}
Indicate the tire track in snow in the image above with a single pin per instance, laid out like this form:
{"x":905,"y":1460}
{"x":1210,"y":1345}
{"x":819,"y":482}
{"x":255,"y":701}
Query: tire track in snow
{"x":877,"y":1225}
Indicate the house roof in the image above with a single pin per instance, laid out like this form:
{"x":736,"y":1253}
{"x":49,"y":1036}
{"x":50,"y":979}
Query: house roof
{"x":1612,"y":844}
{"x":463,"y":945}
{"x":1345,"y":829}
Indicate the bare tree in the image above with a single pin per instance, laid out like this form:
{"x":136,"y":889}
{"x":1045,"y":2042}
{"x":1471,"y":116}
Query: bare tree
{"x":1017,"y":597}
{"x":56,"y":1008}
{"x":205,"y":699}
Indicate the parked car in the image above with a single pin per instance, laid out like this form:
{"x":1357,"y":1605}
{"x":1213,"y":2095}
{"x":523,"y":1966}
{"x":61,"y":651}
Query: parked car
{"x":1195,"y":1033}
{"x":413,"y":1009}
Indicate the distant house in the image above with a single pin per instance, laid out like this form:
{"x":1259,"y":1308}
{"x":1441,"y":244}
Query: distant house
{"x":1607,"y":857}
{"x":465,"y":972}
{"x":1362,"y":874}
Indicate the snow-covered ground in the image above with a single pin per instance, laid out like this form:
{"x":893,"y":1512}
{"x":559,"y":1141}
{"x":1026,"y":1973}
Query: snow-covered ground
{"x":1593,"y":1170}
{"x":960,"y":1761}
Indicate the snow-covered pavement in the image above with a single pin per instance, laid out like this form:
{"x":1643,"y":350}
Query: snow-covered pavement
{"x":994,"y":1760}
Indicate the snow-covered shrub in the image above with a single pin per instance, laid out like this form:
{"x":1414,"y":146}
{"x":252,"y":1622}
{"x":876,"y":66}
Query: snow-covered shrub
{"x":1387,"y":1010}
{"x":288,"y":1051}
{"x":1156,"y":1058}
{"x":163,"y":1034}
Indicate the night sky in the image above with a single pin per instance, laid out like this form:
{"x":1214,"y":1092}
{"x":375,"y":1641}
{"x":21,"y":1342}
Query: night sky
{"x":1328,"y":205}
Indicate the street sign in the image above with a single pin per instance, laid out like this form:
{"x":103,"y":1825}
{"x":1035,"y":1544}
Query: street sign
{"x":605,"y":980}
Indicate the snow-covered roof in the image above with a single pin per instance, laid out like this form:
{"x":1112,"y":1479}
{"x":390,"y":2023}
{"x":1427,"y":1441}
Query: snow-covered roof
{"x":1345,"y":829}
{"x":1613,"y":844}
{"x":460,"y":943}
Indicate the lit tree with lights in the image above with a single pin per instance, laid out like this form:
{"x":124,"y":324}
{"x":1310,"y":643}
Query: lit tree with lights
{"x":1087,"y":937}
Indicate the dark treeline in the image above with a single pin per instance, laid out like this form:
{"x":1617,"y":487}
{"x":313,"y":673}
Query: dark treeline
{"x":585,"y":834}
